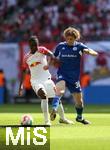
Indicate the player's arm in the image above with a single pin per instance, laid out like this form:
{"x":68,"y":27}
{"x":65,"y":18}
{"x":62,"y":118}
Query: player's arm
{"x":53,"y":60}
{"x":90,"y":52}
{"x":46,"y":51}
{"x":23,"y":72}
{"x":21,"y":82}
{"x":50,"y":56}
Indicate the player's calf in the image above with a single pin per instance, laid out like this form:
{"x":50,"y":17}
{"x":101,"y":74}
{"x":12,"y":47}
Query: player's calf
{"x":53,"y":115}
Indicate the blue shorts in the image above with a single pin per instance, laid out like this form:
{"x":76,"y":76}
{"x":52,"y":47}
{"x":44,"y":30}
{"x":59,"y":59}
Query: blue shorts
{"x":72,"y":87}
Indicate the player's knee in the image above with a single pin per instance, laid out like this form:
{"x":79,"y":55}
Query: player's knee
{"x":41,"y":93}
{"x":59,"y":92}
{"x":79,"y":104}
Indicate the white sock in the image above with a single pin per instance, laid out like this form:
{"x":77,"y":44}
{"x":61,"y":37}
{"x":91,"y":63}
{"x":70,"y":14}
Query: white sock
{"x":44,"y":107}
{"x":61,"y":111}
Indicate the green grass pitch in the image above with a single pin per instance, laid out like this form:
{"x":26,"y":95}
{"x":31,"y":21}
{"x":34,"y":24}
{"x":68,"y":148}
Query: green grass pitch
{"x":67,"y":137}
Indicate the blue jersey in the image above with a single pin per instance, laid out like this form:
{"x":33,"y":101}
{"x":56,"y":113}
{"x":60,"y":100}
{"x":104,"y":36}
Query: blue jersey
{"x":70,"y":58}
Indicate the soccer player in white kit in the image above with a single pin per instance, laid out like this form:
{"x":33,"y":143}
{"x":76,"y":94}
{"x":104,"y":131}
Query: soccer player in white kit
{"x":44,"y":87}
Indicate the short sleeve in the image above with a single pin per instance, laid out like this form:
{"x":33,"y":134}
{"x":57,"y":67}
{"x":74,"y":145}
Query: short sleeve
{"x":83,"y":46}
{"x":43,"y":50}
{"x":56,"y":51}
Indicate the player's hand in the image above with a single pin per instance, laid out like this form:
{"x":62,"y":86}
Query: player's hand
{"x":20,"y":92}
{"x":46,"y":67}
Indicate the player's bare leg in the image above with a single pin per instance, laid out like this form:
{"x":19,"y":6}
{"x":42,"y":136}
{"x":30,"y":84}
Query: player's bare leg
{"x":44,"y":105}
{"x":79,"y":108}
{"x":60,"y":88}
{"x":53,"y":115}
{"x":63,"y":119}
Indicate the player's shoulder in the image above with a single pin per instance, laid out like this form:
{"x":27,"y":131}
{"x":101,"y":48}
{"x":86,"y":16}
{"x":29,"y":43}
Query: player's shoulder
{"x":42,"y":50}
{"x":79,"y":44}
{"x":61,"y":44}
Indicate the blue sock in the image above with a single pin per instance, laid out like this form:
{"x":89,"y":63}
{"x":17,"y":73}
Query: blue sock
{"x":55,"y":102}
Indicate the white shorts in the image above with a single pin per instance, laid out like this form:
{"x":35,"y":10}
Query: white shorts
{"x":47,"y":85}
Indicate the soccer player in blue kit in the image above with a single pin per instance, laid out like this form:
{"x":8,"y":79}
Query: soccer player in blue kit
{"x":69,"y":54}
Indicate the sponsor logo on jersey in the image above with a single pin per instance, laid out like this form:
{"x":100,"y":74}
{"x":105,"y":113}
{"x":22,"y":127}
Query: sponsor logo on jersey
{"x":35,"y":64}
{"x":68,"y":55}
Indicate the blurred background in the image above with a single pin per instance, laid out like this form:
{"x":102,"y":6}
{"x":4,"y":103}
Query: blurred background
{"x":47,"y":19}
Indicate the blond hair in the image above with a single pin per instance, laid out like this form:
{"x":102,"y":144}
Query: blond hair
{"x":70,"y":31}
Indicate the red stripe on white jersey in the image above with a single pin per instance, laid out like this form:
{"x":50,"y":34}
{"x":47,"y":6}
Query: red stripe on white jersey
{"x":43,"y":50}
{"x":35,"y":64}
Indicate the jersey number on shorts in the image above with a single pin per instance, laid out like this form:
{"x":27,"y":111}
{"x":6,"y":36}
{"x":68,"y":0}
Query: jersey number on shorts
{"x":77,"y":84}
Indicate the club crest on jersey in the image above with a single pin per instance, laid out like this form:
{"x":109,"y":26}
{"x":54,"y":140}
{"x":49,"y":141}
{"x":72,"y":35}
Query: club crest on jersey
{"x":74,"y":48}
{"x":63,"y":48}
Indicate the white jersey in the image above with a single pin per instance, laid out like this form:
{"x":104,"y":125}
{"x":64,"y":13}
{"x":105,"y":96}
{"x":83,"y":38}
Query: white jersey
{"x":40,"y":78}
{"x":36,"y":63}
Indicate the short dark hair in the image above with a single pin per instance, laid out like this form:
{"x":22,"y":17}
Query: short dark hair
{"x":33,"y":40}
